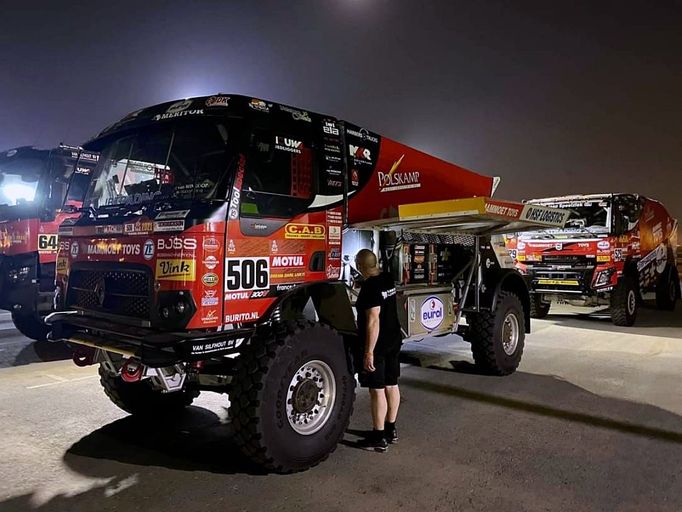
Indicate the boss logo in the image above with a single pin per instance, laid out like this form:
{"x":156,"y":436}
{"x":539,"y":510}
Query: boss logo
{"x":168,"y":244}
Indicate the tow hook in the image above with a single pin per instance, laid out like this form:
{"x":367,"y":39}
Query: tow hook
{"x":131,"y":371}
{"x":84,"y":356}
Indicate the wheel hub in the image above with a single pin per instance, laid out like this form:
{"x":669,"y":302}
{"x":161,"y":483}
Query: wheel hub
{"x":632,"y":301}
{"x":510,"y":334}
{"x":310,"y":397}
{"x":305,"y":396}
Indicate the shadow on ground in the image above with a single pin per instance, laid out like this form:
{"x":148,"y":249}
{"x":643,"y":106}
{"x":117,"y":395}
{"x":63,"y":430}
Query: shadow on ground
{"x":42,"y":351}
{"x":447,"y":416}
{"x":650,"y":322}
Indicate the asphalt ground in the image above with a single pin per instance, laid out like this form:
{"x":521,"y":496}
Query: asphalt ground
{"x":592,"y":420}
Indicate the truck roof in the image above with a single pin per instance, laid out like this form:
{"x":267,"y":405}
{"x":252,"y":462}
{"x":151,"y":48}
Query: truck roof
{"x":574,"y":197}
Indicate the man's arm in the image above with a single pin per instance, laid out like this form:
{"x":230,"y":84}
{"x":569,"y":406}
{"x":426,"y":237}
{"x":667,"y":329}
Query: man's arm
{"x":372,"y":335}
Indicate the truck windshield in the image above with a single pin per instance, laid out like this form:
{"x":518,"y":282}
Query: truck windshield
{"x":19,"y":180}
{"x":593,"y":215}
{"x":188,"y":159}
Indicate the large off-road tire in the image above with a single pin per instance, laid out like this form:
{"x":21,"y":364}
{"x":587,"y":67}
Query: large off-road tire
{"x":667,"y":289}
{"x":140,"y":398}
{"x":538,"y":309}
{"x":31,"y":326}
{"x":293,"y":396}
{"x":497,"y":337}
{"x":625,"y":302}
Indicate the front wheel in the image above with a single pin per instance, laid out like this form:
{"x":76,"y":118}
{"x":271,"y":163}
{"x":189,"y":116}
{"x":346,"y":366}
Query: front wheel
{"x":497,"y":337}
{"x":624,"y":302}
{"x":31,"y":326}
{"x":538,"y":308}
{"x":292,"y":397}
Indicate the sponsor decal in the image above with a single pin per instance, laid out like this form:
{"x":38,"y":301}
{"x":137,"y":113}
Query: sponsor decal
{"x":618,"y":255}
{"x":132,"y":199}
{"x":603,"y":257}
{"x":286,"y":144}
{"x":241,"y":317}
{"x":211,"y":347}
{"x":333,"y":271}
{"x":360,"y":153}
{"x":334,"y":232}
{"x":211,"y":262}
{"x":109,"y":230}
{"x":210,"y":279}
{"x":544,"y":215}
{"x":148,"y":249}
{"x":176,"y":244}
{"x":304,"y":231}
{"x":178,"y":109}
{"x":210,"y":316}
{"x":297,"y":115}
{"x":273,"y":246}
{"x":335,"y":253}
{"x":235,"y":199}
{"x":603,"y":245}
{"x":657,"y":232}
{"x":247,"y":274}
{"x":290,"y":261}
{"x":521,"y":246}
{"x":211,"y":244}
{"x":398,"y":180}
{"x":558,"y":282}
{"x":139,"y":227}
{"x":174,"y":214}
{"x":210,"y":301}
{"x":502,"y":210}
{"x":218,"y":101}
{"x":48,"y":243}
{"x":354,"y":178}
{"x":238,"y":295}
{"x":363,"y":134}
{"x":432,"y":313}
{"x":285,"y":287}
{"x":175,"y":270}
{"x":558,"y":246}
{"x":62,"y":264}
{"x":329,"y":127}
{"x":260,"y":105}
{"x":169,"y":225}
{"x":111,"y":248}
{"x":334,"y":183}
{"x":230,"y":247}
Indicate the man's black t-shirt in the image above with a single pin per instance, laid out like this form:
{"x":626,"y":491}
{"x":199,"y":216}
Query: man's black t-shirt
{"x":379,"y":291}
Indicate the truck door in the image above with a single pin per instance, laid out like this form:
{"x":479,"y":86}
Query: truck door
{"x":274,"y":242}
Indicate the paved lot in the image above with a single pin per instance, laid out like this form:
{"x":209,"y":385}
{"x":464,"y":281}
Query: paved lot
{"x":591,"y":421}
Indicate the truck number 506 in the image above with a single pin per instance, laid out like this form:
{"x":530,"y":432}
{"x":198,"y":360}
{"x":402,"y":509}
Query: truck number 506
{"x":247,"y":274}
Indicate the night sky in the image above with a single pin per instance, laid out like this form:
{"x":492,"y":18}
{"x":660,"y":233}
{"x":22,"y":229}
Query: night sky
{"x":555,"y":97}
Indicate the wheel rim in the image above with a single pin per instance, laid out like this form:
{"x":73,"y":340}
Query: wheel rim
{"x":510,"y":334}
{"x":632,"y":302}
{"x":310,"y":397}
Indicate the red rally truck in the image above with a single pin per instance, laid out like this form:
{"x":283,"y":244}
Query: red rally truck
{"x":615,"y":249}
{"x":210,"y":257}
{"x":39,"y":188}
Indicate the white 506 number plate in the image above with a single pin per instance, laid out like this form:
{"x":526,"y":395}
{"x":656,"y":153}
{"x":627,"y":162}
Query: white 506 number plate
{"x":247,"y":274}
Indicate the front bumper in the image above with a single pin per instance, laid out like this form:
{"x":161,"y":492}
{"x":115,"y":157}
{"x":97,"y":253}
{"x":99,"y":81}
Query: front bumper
{"x":153,"y":348}
{"x":549,"y":279}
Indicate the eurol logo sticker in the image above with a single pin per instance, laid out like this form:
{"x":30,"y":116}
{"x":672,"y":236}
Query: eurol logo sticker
{"x":603,"y":245}
{"x":432,"y":313}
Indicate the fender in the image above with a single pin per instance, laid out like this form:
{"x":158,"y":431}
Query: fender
{"x":508,"y":280}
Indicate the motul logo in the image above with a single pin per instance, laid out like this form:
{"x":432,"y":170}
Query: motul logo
{"x":288,"y":261}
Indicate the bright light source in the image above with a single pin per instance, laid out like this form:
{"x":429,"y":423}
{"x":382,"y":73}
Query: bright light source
{"x":16,"y":192}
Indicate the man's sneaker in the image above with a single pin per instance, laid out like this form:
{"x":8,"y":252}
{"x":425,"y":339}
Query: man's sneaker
{"x":392,"y":436}
{"x":374,"y":443}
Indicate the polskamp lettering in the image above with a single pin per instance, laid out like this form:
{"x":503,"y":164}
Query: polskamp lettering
{"x":398,"y":181}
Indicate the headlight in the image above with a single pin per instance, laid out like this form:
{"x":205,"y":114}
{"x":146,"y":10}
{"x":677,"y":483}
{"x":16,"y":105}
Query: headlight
{"x":175,"y":308}
{"x":604,"y":277}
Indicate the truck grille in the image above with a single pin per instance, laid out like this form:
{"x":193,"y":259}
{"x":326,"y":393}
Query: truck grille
{"x":564,"y":259}
{"x":124,"y":292}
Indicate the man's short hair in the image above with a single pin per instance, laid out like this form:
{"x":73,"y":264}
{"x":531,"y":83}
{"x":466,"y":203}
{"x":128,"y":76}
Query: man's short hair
{"x":366,"y":259}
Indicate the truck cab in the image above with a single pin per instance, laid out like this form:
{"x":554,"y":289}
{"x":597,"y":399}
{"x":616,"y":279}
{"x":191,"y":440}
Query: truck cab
{"x":38,"y":190}
{"x":614,"y":250}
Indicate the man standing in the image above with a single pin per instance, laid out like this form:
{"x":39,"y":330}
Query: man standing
{"x":379,"y":331}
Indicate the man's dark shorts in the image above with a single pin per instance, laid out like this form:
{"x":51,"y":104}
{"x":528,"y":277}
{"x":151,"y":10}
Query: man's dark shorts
{"x":386,"y":373}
